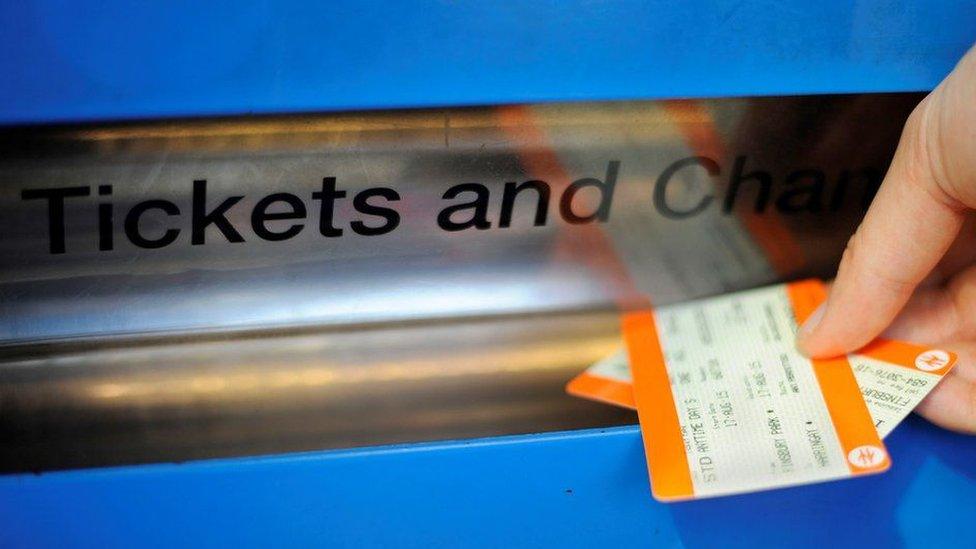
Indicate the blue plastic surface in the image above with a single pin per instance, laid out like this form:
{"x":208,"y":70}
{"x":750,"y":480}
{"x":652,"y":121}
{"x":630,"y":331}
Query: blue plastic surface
{"x":116,"y":59}
{"x":578,"y":489}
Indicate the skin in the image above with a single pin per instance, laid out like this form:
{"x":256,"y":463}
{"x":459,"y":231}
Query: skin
{"x":909,"y":272}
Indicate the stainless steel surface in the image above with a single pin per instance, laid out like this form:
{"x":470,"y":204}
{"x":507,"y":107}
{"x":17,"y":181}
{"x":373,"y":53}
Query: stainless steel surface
{"x":418,"y":270}
{"x":136,"y":402}
{"x":135,"y":355}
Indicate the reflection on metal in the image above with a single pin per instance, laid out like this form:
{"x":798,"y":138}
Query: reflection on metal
{"x":419,"y":270}
{"x":132,"y":354}
{"x":69,"y":407}
{"x":279,"y":133}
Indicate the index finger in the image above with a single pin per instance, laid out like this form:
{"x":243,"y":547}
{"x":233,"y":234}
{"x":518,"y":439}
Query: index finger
{"x":913,"y":220}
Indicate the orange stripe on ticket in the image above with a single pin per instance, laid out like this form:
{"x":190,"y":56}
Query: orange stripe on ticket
{"x":666,"y":458}
{"x":609,"y":391}
{"x":852,"y":421}
{"x":915,"y":357}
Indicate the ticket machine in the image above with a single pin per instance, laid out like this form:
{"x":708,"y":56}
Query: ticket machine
{"x":299,"y":274}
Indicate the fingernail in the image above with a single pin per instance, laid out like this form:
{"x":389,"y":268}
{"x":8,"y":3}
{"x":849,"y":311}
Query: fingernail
{"x":811,"y":324}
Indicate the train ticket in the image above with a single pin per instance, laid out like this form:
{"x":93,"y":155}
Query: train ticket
{"x":728,"y":405}
{"x":893,"y":376}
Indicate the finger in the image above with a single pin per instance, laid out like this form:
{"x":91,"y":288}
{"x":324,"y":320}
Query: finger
{"x":952,"y":404}
{"x":913,"y":220}
{"x":962,"y":253}
{"x":938,"y":314}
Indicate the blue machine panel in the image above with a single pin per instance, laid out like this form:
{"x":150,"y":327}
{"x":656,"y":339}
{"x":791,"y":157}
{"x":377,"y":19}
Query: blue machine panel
{"x":579,"y":489}
{"x":113,"y":59}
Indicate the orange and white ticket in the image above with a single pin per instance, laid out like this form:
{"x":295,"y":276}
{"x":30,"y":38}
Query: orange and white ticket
{"x":728,"y":405}
{"x":893,"y":376}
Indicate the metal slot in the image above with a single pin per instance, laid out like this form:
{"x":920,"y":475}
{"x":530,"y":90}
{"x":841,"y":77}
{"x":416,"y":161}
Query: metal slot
{"x":176,"y":401}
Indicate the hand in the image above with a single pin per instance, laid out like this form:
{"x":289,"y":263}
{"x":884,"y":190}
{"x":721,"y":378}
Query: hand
{"x":910,"y":269}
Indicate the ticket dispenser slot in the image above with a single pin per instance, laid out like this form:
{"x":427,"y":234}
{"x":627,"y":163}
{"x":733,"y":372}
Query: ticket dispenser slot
{"x":185,"y":289}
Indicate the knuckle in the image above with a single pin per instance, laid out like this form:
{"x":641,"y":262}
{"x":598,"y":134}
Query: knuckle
{"x":933,"y":140}
{"x":925,"y":160}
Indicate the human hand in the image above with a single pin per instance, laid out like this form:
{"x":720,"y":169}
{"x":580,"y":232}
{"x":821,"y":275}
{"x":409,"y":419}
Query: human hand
{"x":910,"y":269}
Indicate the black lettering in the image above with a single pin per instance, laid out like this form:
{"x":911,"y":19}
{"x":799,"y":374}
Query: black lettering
{"x":606,"y":196}
{"x":511,"y":192}
{"x":661,"y":187}
{"x":391,"y":217}
{"x":868,"y":178}
{"x":260,"y":216}
{"x":798,"y":197}
{"x":328,"y":195}
{"x":105,"y":220}
{"x":479,"y":217}
{"x":55,"y":211}
{"x":737,"y":178}
{"x":216,"y":216}
{"x":131,"y":224}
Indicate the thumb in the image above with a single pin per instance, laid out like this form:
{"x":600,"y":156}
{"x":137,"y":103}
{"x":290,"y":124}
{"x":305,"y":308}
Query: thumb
{"x":913,"y":220}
